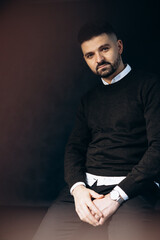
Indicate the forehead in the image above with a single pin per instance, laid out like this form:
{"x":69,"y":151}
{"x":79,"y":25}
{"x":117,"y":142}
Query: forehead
{"x":94,"y":43}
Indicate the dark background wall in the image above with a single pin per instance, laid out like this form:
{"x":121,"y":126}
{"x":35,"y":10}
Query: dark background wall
{"x":42,"y":77}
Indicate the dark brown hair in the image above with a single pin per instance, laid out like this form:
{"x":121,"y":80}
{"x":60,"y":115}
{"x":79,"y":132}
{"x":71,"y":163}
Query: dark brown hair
{"x":93,"y":29}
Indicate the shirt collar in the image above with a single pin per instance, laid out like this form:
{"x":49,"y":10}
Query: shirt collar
{"x":118,"y":77}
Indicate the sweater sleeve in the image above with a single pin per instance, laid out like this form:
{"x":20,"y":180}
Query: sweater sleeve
{"x":75,"y":154}
{"x":148,"y":168}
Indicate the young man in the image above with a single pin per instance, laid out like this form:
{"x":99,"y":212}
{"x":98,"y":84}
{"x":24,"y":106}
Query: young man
{"x":112,"y":159}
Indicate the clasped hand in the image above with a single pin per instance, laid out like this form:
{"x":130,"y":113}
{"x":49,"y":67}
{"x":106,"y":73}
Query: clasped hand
{"x":94,"y":212}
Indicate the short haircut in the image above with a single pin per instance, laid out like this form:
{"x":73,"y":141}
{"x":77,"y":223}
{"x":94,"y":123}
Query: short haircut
{"x":93,"y":29}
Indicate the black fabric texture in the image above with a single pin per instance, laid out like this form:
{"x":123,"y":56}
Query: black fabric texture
{"x":117,"y":133}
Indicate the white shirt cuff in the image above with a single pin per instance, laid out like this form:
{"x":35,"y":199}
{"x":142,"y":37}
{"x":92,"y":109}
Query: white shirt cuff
{"x":122,"y":193}
{"x":75,"y":185}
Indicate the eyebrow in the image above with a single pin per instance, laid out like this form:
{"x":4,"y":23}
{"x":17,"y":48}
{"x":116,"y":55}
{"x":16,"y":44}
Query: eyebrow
{"x":88,"y":53}
{"x":102,"y":46}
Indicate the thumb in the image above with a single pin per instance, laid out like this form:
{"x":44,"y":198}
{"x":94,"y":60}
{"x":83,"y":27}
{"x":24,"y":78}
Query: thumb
{"x":95,"y":195}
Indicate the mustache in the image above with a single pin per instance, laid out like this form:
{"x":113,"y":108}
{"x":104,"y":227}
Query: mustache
{"x":102,"y":63}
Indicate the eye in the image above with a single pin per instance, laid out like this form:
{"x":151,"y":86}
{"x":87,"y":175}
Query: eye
{"x":89,"y":56}
{"x":105,"y":49}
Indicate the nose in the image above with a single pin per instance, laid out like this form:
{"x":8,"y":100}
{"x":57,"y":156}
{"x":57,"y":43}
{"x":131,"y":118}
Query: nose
{"x":99,"y":57}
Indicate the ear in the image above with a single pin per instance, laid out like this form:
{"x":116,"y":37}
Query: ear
{"x":120,"y":46}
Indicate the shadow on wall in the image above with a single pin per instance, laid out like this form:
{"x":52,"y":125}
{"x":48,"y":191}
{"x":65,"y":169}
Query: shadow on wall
{"x":42,"y":77}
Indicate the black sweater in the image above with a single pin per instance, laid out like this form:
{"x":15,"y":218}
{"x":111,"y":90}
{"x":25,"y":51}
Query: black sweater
{"x":117,"y":133}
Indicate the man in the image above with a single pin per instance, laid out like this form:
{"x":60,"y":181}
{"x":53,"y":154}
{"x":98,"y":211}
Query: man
{"x":112,"y":159}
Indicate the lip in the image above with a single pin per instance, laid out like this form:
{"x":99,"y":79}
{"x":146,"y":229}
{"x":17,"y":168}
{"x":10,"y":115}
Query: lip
{"x":102,"y":66}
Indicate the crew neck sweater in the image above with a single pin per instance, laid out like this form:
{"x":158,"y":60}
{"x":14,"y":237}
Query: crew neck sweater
{"x":117,"y":133}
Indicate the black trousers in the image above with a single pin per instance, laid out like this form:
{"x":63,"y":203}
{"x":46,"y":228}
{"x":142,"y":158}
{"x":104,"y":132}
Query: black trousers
{"x":136,"y":219}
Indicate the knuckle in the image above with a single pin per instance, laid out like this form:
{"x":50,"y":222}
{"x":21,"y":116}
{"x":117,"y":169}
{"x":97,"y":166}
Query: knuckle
{"x":87,"y":215}
{"x":91,"y":206}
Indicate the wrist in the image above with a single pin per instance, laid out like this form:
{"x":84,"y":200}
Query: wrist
{"x":115,"y":196}
{"x":77,"y":189}
{"x":122,"y":193}
{"x":75,"y":185}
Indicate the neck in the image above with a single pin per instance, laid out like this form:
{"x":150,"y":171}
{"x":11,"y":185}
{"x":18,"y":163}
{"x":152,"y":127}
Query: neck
{"x":119,"y":69}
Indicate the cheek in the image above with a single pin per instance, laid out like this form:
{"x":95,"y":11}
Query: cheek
{"x":112,"y":57}
{"x":92,"y":66}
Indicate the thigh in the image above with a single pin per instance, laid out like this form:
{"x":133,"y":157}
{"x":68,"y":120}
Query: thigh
{"x":129,"y":222}
{"x":135,"y":219}
{"x":62,"y":223}
{"x":138,"y":218}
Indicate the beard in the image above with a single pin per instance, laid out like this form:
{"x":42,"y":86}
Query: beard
{"x":109,"y":69}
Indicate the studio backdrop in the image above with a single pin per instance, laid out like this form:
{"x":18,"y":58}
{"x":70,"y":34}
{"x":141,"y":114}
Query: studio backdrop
{"x":43,"y":76}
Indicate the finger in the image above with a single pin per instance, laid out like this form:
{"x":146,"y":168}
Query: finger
{"x":102,"y":220}
{"x":87,"y":216}
{"x":95,"y":195}
{"x":83,"y":212}
{"x":94,"y":209}
{"x":97,"y":217}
